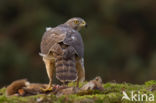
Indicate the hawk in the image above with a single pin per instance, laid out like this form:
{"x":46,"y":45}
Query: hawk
{"x":62,"y":50}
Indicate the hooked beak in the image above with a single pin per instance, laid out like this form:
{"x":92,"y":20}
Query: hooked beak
{"x":84,"y":24}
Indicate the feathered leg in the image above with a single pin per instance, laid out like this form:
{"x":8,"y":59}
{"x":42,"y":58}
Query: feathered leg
{"x":49,"y":63}
{"x":81,"y":71}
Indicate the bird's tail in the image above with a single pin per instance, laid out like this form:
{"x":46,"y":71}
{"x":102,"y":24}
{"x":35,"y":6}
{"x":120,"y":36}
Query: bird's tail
{"x":66,"y":68}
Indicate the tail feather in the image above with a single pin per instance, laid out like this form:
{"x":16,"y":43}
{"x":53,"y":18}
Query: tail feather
{"x":65,"y":68}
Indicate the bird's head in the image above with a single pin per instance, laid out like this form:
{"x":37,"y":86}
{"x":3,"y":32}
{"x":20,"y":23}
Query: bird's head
{"x":76,"y":23}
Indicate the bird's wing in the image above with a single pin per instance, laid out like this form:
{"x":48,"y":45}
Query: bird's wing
{"x":80,"y":69}
{"x":62,"y":34}
{"x":51,"y":38}
{"x":74,"y":39}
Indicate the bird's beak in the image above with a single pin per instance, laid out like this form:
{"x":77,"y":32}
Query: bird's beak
{"x":84,"y":24}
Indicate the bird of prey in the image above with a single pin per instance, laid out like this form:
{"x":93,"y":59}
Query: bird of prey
{"x":62,"y":50}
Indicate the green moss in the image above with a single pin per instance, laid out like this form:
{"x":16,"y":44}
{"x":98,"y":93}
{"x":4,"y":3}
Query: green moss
{"x":2,"y":90}
{"x":112,"y":94}
{"x":150,"y":83}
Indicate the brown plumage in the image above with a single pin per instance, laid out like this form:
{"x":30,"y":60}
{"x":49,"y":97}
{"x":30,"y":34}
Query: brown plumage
{"x":62,"y":48}
{"x":65,"y":68}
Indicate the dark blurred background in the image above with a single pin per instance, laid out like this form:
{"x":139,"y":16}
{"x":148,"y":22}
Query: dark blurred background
{"x":120,"y":42}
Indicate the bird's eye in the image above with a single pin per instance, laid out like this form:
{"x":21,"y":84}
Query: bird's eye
{"x":76,"y":21}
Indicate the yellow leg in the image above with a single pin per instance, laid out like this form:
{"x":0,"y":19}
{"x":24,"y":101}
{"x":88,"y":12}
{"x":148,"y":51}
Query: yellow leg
{"x":80,"y":71}
{"x":49,"y":63}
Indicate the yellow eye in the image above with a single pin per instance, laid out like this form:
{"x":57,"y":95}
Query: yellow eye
{"x":76,"y":21}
